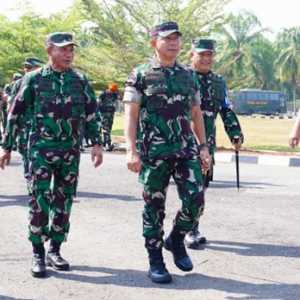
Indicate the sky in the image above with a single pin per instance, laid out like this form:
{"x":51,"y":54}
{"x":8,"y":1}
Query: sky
{"x":272,"y":14}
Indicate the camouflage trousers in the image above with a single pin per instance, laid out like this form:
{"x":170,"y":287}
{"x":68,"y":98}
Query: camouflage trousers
{"x":23,"y":136}
{"x":155,"y":177}
{"x":55,"y":174}
{"x":107,"y":119}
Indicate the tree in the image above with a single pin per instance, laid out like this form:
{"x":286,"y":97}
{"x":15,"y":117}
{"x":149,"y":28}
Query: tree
{"x":119,"y":30}
{"x":262,"y":66}
{"x":288,"y":62}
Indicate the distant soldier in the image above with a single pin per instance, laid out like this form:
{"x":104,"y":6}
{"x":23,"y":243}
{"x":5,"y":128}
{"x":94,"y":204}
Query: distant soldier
{"x":1,"y":115}
{"x":294,"y":137}
{"x":61,"y":101}
{"x":163,"y":115}
{"x":214,"y":101}
{"x":107,"y":102}
{"x":6,"y":94}
{"x":30,"y":64}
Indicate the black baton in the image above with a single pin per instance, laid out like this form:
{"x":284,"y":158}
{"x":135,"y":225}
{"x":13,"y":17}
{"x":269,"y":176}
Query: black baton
{"x":237,"y":167}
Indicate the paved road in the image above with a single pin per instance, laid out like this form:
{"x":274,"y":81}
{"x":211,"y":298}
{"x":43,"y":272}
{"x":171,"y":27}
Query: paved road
{"x":253,"y":250}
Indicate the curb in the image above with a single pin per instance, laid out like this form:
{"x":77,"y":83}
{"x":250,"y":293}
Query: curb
{"x":267,"y":160}
{"x":263,"y":159}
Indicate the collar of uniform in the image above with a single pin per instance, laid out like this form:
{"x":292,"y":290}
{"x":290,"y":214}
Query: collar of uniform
{"x":156,"y":64}
{"x":47,"y":70}
{"x":207,"y":75}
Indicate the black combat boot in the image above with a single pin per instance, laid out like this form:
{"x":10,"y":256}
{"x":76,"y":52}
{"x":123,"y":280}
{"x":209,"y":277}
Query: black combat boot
{"x":157,"y":271}
{"x":175,"y":244}
{"x":38,"y":267}
{"x":54,"y":258}
{"x":194,"y":239}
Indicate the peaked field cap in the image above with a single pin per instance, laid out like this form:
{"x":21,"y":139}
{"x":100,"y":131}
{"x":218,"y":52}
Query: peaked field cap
{"x":60,"y":39}
{"x":164,"y":29}
{"x":202,"y":45}
{"x":33,"y":62}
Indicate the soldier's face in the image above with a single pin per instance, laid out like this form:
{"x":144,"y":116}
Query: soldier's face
{"x":203,"y":61}
{"x":61,"y":57}
{"x":167,"y":47}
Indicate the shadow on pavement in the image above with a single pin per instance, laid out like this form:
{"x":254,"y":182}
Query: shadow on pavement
{"x":107,"y":196}
{"x":226,"y":184}
{"x":250,"y":249}
{"x":22,"y":200}
{"x":221,"y":184}
{"x":192,"y":281}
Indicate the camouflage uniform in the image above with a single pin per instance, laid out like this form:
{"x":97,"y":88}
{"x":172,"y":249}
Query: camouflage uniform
{"x":107,"y":106}
{"x":214,"y":101}
{"x":30,"y":64}
{"x":60,"y":103}
{"x":22,"y":134}
{"x":1,"y":116}
{"x":6,"y":94}
{"x":166,"y":145}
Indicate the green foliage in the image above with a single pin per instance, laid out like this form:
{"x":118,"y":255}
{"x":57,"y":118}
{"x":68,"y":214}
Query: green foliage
{"x":113,"y":37}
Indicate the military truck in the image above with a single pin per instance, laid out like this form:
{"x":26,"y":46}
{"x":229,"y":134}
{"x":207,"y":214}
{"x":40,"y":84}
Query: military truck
{"x":256,"y":101}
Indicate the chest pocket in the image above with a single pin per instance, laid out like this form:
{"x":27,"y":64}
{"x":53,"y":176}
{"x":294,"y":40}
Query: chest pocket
{"x":155,"y":83}
{"x":183,"y":84}
{"x":218,"y":89}
{"x":155,"y":91}
{"x":78,"y":106}
{"x":47,"y":97}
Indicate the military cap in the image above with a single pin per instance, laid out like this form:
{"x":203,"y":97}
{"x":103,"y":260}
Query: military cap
{"x":33,"y":62}
{"x":17,"y":76}
{"x":202,"y":45}
{"x":164,"y":29}
{"x":60,"y":39}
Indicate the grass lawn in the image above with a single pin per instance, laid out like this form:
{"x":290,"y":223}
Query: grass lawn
{"x":260,"y":133}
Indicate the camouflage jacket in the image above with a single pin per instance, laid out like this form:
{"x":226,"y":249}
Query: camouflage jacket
{"x":107,"y":101}
{"x":166,"y":96}
{"x":25,"y":118}
{"x":61,"y":105}
{"x":214,"y":101}
{"x":8,"y":88}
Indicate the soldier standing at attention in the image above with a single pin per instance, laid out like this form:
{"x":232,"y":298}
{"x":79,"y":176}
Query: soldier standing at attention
{"x":30,"y":64}
{"x":163,"y":115}
{"x":61,"y":101}
{"x":107,"y":106}
{"x":214,"y":101}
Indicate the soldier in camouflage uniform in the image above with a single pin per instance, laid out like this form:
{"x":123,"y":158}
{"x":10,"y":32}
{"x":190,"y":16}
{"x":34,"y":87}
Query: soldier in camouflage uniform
{"x":30,"y":64}
{"x":214,"y":101}
{"x":107,"y":106}
{"x":7,"y":91}
{"x":1,"y":116}
{"x":163,"y":115}
{"x":61,"y":101}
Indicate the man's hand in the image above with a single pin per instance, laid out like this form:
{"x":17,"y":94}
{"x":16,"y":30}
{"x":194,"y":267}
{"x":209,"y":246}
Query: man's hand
{"x":4,"y":158}
{"x":133,"y":160}
{"x":237,"y":143}
{"x":97,"y":155}
{"x":205,"y":159}
{"x":293,"y":141}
